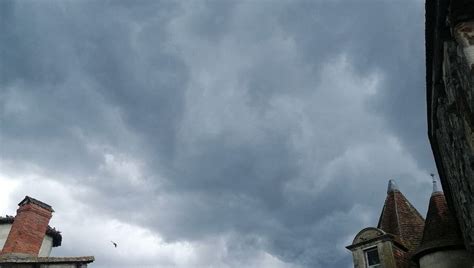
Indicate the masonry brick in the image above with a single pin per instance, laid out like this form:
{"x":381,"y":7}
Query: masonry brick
{"x":29,"y":228}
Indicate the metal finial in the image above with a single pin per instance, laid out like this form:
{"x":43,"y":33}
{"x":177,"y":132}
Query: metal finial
{"x":435,"y":184}
{"x":392,"y":186}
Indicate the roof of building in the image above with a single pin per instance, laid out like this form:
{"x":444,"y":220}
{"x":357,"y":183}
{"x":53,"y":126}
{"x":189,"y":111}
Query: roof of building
{"x":7,"y":219}
{"x":51,"y":231}
{"x":32,"y":200}
{"x":441,"y":229}
{"x":401,"y":219}
{"x":21,"y":258}
{"x":392,"y":186}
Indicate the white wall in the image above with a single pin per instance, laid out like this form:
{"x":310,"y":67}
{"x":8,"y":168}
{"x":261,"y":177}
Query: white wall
{"x":4,"y":231}
{"x":46,"y":246}
{"x":447,"y":259}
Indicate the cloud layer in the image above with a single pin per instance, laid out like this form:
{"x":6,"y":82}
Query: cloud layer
{"x":212,"y":133}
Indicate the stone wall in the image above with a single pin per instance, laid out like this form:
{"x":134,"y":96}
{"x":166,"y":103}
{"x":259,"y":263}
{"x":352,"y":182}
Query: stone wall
{"x":450,"y":89}
{"x":447,"y":259}
{"x":385,"y":250}
{"x":454,"y":121}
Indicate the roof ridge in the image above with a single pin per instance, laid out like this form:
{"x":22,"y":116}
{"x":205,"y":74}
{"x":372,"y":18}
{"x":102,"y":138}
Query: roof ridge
{"x":398,"y":217}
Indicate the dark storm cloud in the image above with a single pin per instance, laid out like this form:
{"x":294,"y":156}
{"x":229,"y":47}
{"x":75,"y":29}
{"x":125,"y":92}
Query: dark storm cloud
{"x":376,"y":35}
{"x":275,"y":121}
{"x":64,"y":68}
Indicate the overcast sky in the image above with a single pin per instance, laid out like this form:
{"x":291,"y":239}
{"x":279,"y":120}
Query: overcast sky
{"x":255,"y":133}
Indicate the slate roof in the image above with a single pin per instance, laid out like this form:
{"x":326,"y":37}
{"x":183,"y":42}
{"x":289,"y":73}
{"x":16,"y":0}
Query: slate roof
{"x":401,"y":219}
{"x":441,"y":229}
{"x":51,"y":231}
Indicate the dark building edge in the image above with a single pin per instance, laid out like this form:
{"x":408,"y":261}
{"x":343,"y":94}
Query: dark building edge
{"x":438,"y":17}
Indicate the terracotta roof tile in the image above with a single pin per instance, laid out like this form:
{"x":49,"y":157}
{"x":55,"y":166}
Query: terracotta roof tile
{"x":401,"y":219}
{"x":441,"y":229}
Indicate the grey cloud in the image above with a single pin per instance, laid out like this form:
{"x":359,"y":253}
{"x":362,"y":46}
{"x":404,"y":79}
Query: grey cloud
{"x":275,"y":121}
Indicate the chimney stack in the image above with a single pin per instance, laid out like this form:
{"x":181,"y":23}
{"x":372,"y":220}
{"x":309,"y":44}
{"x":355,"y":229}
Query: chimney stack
{"x":29,"y":227}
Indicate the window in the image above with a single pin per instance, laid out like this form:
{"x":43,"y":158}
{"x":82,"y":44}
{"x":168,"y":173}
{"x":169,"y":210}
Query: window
{"x":372,"y":259}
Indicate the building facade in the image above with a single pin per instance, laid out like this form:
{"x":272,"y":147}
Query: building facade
{"x":442,"y":245}
{"x":403,"y":239}
{"x":26,"y":240}
{"x":450,"y":99}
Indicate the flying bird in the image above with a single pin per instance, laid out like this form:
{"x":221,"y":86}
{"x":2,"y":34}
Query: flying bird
{"x":115,"y":244}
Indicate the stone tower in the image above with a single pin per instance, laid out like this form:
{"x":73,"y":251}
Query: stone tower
{"x":442,"y":244}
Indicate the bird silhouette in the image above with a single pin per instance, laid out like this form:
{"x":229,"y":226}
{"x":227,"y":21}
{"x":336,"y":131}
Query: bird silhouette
{"x":115,"y":244}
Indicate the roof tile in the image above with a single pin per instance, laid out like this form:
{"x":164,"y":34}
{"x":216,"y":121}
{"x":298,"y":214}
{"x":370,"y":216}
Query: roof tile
{"x":401,"y":219}
{"x":441,"y":229}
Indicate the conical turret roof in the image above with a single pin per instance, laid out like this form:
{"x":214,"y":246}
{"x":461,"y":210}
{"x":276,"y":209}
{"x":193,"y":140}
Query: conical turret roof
{"x":400,"y":218}
{"x":441,"y":229}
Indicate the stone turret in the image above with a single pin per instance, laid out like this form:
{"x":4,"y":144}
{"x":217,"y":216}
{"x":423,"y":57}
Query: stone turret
{"x":442,"y":244}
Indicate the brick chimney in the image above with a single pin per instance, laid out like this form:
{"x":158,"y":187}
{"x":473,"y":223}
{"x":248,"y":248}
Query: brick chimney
{"x":29,"y":227}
